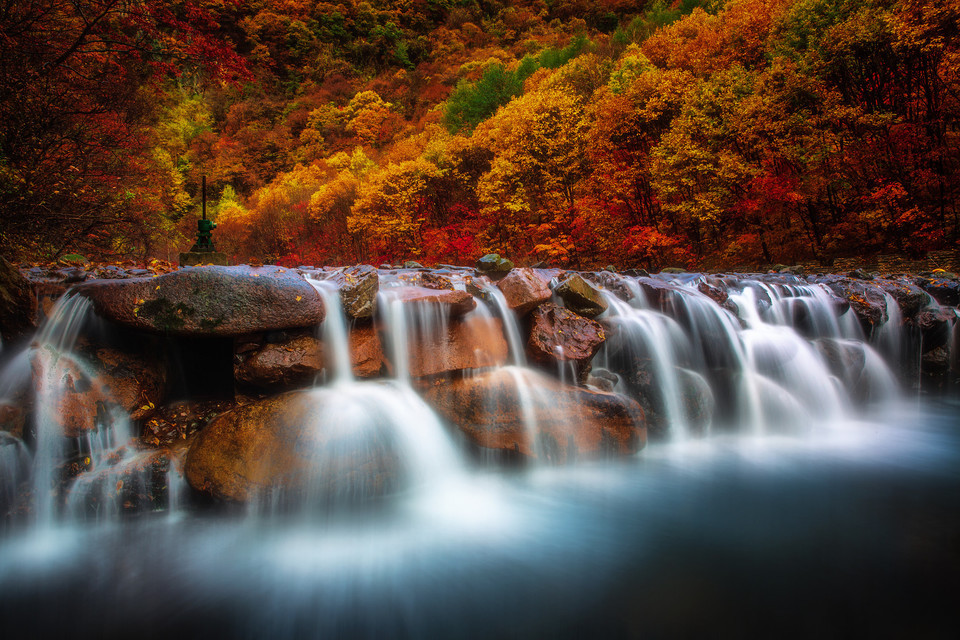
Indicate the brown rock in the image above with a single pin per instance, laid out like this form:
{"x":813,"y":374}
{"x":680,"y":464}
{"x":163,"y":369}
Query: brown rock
{"x":715,"y":293}
{"x":69,"y":395}
{"x":570,"y":422}
{"x":209,"y":301}
{"x":293,"y":363}
{"x":358,"y":290}
{"x":366,"y":352}
{"x":430,"y":280}
{"x":559,"y":336}
{"x":135,"y":382}
{"x":296,"y":443}
{"x":453,"y":303}
{"x":524,"y":289}
{"x":468,"y":344}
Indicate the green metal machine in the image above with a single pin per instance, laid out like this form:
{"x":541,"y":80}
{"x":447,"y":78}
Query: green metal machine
{"x":204,"y":227}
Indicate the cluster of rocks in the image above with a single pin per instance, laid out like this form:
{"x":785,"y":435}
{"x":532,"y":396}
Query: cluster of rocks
{"x":217,"y":365}
{"x":241,"y":344}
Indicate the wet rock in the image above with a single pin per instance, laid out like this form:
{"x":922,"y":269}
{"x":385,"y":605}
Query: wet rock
{"x":366,"y":352}
{"x":657,"y":292}
{"x":944,"y":290}
{"x":612,"y":282}
{"x":936,"y":326}
{"x":580,"y":297}
{"x":129,"y":481}
{"x":13,"y":417}
{"x":523,"y":290}
{"x":113,"y":272}
{"x":289,"y":364}
{"x":448,"y":302}
{"x":412,"y":264}
{"x":935,"y":362}
{"x":470,"y":344}
{"x":430,"y":280}
{"x":559,"y":337}
{"x":603,"y":380}
{"x":136,"y":382}
{"x":493,"y":264}
{"x":18,"y":305}
{"x":846,"y":360}
{"x":358,"y":291}
{"x":696,"y":405}
{"x":296,"y":445}
{"x":910,"y":298}
{"x":712,"y":291}
{"x":70,"y":398}
{"x":569,"y":422}
{"x":209,"y":301}
{"x":865,"y":298}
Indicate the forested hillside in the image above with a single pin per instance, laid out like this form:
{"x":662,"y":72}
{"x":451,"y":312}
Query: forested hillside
{"x":570,"y":132}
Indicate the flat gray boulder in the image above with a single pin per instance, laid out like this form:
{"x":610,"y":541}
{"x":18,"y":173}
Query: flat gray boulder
{"x":209,"y":301}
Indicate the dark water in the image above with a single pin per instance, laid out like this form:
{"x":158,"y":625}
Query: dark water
{"x":850,"y":532}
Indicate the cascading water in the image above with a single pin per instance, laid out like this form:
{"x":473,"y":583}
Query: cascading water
{"x":656,"y":544}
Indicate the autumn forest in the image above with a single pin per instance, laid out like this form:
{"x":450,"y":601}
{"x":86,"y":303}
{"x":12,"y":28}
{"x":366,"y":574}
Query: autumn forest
{"x":575,"y":133}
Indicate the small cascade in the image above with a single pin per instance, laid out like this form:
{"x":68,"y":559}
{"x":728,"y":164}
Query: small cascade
{"x":334,"y":331}
{"x":518,"y":355}
{"x":362,"y":439}
{"x":648,"y":336}
{"x":890,"y":338}
{"x":83,"y":462}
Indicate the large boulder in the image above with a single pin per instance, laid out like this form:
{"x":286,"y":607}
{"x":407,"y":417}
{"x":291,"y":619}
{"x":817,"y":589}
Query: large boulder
{"x":559,"y":338}
{"x":209,"y":301}
{"x":524,"y":289}
{"x":580,"y":297}
{"x":358,"y":290}
{"x":297,"y":446}
{"x":518,"y":411}
{"x":472,"y":343}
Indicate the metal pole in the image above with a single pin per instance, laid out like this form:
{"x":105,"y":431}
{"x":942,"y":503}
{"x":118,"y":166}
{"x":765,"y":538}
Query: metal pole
{"x":203,"y":196}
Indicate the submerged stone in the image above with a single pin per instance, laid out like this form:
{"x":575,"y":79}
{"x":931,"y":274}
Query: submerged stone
{"x":492,"y":411}
{"x":468,"y":344}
